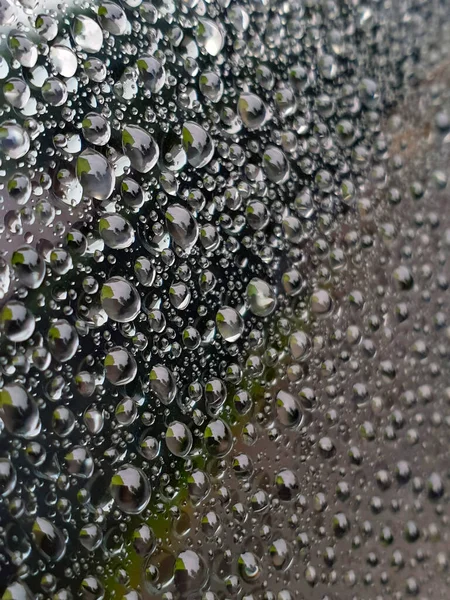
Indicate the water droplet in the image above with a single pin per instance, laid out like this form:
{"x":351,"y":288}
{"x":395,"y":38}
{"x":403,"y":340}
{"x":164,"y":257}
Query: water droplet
{"x":95,"y":175}
{"x":229,"y":324}
{"x":197,"y":144}
{"x":17,"y":323}
{"x":62,"y":340}
{"x":209,"y":36}
{"x":252,"y":111}
{"x":130,"y":489}
{"x":87,"y":34}
{"x":120,"y":366}
{"x":190,"y":572}
{"x":14,"y":140}
{"x":19,"y":411}
{"x":120,"y":300}
{"x":48,"y":539}
{"x":178,"y":439}
{"x":151,"y":72}
{"x":163,"y":384}
{"x":181,"y":225}
{"x":261,"y":297}
{"x":140,"y":147}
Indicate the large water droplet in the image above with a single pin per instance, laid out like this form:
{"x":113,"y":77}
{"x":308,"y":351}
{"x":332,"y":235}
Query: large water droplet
{"x":87,"y":34}
{"x":120,"y":300}
{"x":48,"y":539}
{"x":17,"y":323}
{"x":14,"y":140}
{"x":181,"y":225}
{"x":95,"y":175}
{"x":19,"y":411}
{"x":178,"y":439}
{"x":62,"y":340}
{"x":210,"y":36}
{"x":8,"y":477}
{"x":162,"y":383}
{"x":261,"y":297}
{"x":130,"y":489}
{"x":229,"y":324}
{"x":197,"y":144}
{"x":140,"y":148}
{"x":151,"y":72}
{"x":190,"y":572}
{"x":252,"y":110}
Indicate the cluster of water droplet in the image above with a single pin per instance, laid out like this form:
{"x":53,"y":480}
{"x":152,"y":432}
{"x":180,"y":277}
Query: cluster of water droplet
{"x":212,"y":385}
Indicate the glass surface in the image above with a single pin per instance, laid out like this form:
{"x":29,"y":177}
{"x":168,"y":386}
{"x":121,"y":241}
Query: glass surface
{"x":224,"y":271}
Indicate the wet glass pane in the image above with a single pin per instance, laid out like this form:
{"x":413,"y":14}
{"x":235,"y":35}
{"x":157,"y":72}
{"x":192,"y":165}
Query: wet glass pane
{"x":224,"y":306}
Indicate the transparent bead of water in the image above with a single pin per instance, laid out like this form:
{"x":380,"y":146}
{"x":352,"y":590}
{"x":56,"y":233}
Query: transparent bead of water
{"x":178,"y":439}
{"x":130,"y":489}
{"x":64,"y":61}
{"x":261,"y":297}
{"x":152,"y":73}
{"x":19,"y":411}
{"x":120,"y":300}
{"x":190,"y":572}
{"x":229,"y":324}
{"x":120,"y":366}
{"x":163,"y":384}
{"x":87,"y":34}
{"x":96,"y":129}
{"x":14,"y":140}
{"x":116,"y":231}
{"x":140,"y":147}
{"x":181,"y":226}
{"x":209,"y":36}
{"x":252,"y":110}
{"x":17,"y":322}
{"x":16,"y":92}
{"x":197,"y":144}
{"x":95,"y":175}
